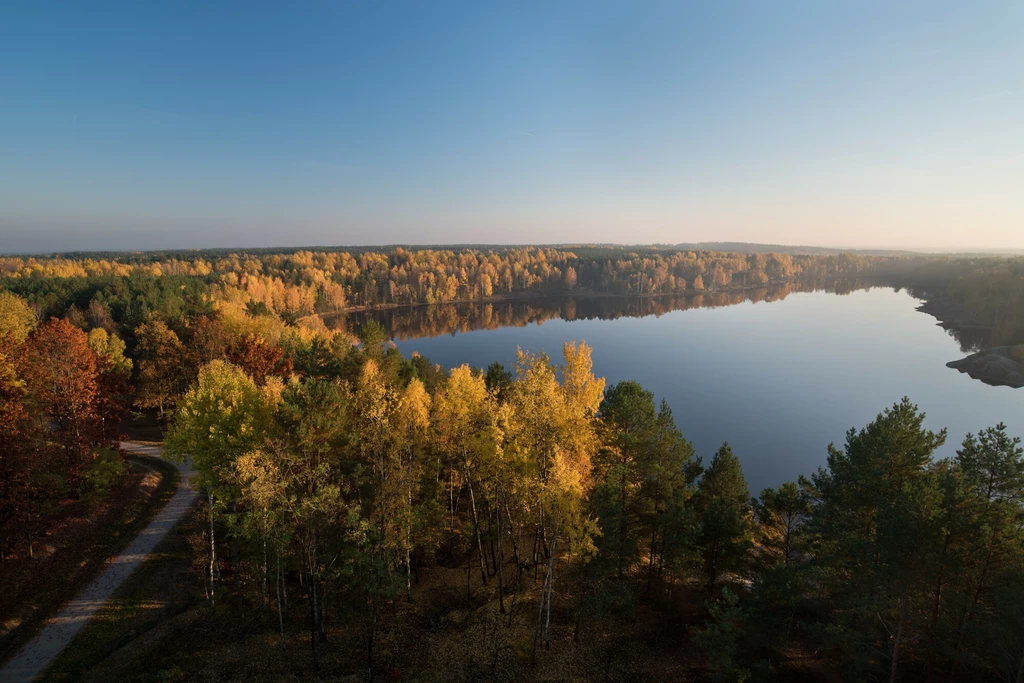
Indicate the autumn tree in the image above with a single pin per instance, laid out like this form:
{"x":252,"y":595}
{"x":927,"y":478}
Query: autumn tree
{"x":110,"y":349}
{"x":97,"y":315}
{"x":17,"y":319}
{"x":62,"y":375}
{"x":19,"y":453}
{"x":208,"y":340}
{"x":311,"y":431}
{"x":258,"y":358}
{"x":223,"y":417}
{"x":555,"y":426}
{"x":114,"y":395}
{"x":570,"y":278}
{"x":462,"y":413}
{"x":262,"y":486}
{"x":163,"y":375}
{"x":413,"y":422}
{"x":375,"y":424}
{"x":719,"y":277}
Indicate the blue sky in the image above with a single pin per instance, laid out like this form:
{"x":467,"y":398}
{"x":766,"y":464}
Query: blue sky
{"x":172,"y":124}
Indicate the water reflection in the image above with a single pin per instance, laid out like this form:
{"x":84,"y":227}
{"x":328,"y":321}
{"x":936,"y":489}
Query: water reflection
{"x":779,"y":381}
{"x":970,"y":339}
{"x":414,"y":322}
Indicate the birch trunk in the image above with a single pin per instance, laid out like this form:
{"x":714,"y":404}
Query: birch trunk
{"x":479,"y":540}
{"x":551,"y":585}
{"x":213,"y":545}
{"x":280,"y":612}
{"x":501,"y":566}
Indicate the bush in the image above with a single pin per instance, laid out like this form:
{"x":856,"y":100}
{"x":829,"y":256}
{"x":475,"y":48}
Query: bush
{"x":105,"y":470}
{"x":719,"y":638}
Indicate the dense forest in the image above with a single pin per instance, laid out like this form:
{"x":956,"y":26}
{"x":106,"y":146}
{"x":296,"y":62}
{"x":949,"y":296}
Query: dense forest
{"x":300,"y":285}
{"x":305,"y":282}
{"x":345,"y":487}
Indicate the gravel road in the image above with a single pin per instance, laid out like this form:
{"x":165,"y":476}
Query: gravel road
{"x":33,"y":659}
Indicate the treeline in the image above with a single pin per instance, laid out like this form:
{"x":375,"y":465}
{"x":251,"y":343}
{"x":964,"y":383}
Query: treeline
{"x":62,"y":396}
{"x":276,"y":293}
{"x":280,"y":298}
{"x":978,"y":293}
{"x":306,"y":282}
{"x":174,"y":313}
{"x":899,"y":564}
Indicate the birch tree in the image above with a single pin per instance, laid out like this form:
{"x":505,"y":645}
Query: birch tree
{"x":223,"y":417}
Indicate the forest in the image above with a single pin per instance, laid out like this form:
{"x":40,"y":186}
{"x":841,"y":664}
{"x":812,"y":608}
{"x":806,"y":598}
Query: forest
{"x":305,"y":282}
{"x":369,"y":515}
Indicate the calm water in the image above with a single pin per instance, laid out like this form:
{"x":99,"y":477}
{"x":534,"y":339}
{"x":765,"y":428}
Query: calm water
{"x":778,"y":379}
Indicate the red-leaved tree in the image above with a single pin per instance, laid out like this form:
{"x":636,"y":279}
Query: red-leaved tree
{"x":63,"y":380}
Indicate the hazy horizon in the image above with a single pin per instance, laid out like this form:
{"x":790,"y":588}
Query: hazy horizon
{"x":251,"y":125}
{"x":124,"y":248}
{"x":565,"y":245}
{"x":739,"y":246}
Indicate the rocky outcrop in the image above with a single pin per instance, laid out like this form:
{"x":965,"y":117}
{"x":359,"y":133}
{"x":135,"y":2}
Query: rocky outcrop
{"x":998,"y":366}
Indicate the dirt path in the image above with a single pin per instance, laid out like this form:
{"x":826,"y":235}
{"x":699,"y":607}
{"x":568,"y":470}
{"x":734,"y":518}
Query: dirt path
{"x":33,"y":659}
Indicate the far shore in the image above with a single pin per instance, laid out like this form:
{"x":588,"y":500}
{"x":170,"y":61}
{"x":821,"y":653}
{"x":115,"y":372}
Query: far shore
{"x":527,"y":296}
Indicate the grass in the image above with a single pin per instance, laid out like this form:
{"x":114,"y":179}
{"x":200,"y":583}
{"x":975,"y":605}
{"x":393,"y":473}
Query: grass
{"x":155,"y":599}
{"x":77,"y":547}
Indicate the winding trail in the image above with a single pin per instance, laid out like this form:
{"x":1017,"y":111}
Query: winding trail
{"x":61,"y":629}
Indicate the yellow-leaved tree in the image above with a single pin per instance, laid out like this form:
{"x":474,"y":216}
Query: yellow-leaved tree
{"x":377,"y":435}
{"x":220,"y":419}
{"x":554,"y":423}
{"x":16,"y":317}
{"x":462,"y":420}
{"x":413,"y":420}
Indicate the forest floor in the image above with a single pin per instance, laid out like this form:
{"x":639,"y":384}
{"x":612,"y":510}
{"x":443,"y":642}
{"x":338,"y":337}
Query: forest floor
{"x":80,"y":536}
{"x":61,"y":628}
{"x":146,"y":427}
{"x":158,"y":627}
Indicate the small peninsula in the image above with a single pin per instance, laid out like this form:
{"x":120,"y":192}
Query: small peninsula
{"x":998,"y":366}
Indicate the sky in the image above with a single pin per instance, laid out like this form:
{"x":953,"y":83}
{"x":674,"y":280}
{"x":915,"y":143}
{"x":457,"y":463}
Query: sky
{"x":148,"y":125}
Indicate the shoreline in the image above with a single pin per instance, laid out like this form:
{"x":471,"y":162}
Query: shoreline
{"x":526,"y":296}
{"x":997,"y":366}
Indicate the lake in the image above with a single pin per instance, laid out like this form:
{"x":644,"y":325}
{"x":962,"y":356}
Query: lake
{"x":778,"y":375}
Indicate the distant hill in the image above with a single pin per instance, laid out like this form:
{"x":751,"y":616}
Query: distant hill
{"x":753,"y":248}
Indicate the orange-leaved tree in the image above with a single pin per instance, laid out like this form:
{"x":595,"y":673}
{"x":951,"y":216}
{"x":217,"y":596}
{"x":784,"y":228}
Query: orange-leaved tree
{"x":18,"y":445}
{"x":62,"y":374}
